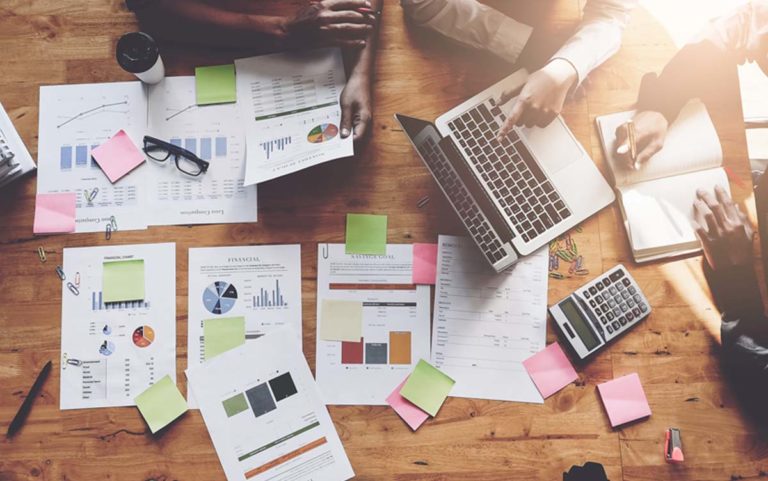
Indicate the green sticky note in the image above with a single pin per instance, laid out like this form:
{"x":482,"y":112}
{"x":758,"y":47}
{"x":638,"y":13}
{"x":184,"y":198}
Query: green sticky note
{"x":341,"y":320}
{"x":366,"y":234}
{"x":427,"y":387}
{"x":222,"y":334}
{"x":161,"y":404}
{"x":215,"y":85}
{"x":235,"y":405}
{"x":123,"y":280}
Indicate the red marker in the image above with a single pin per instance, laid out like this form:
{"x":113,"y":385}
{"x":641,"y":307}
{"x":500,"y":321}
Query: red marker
{"x":673,"y":446}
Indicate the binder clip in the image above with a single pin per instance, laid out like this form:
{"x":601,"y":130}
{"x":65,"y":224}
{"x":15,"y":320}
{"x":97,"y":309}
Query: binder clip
{"x":60,"y":273}
{"x":73,"y":289}
{"x":41,"y":254}
{"x":673,"y":446}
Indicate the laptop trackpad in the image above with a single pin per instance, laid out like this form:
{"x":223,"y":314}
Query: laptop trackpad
{"x":553,"y":146}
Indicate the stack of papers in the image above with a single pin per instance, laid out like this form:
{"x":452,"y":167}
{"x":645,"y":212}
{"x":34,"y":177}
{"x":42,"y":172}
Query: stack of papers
{"x":15,"y":160}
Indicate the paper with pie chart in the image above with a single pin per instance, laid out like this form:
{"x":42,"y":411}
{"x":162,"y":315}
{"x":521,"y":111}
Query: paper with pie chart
{"x":112,"y":352}
{"x":260,"y":283}
{"x":291,"y":103}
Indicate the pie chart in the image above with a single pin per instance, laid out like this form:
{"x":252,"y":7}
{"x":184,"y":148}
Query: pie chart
{"x":143,"y":336}
{"x":322,"y":133}
{"x":107,"y":348}
{"x":219,"y":297}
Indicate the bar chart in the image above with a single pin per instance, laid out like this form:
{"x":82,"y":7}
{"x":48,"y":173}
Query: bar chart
{"x":270,"y":298}
{"x":204,"y":147}
{"x":98,"y":304}
{"x":77,"y":156}
{"x":396,"y":351}
{"x":275,"y":144}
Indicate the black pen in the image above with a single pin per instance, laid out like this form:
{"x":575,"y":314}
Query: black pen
{"x":26,"y":406}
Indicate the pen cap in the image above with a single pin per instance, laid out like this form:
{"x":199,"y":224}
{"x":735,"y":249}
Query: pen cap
{"x":138,"y":54}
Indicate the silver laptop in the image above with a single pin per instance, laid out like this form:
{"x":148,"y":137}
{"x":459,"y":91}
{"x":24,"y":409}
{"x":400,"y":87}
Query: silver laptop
{"x":516,"y":195}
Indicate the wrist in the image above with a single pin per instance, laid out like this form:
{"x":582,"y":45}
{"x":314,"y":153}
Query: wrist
{"x":563,"y":72}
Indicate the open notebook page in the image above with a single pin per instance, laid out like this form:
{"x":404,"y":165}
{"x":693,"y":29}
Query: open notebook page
{"x":691,"y":144}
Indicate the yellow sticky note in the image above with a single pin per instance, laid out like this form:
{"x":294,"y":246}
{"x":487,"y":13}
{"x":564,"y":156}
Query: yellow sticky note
{"x":341,"y":320}
{"x":215,"y":85}
{"x":123,"y":280}
{"x":221,"y":335}
{"x":161,"y":404}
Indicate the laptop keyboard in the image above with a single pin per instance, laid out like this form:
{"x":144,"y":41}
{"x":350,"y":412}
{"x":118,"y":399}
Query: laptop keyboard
{"x":509,"y":170}
{"x":479,"y":227}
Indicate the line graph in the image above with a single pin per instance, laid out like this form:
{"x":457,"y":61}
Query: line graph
{"x":179,"y":112}
{"x":90,"y":111}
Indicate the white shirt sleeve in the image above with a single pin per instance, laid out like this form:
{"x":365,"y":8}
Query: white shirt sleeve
{"x":598,"y":36}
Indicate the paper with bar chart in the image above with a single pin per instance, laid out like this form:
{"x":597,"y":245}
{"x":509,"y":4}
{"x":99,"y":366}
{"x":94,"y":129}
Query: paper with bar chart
{"x":265,"y":415}
{"x":112,"y":352}
{"x":74,"y":120}
{"x":486,"y":324}
{"x":395,"y":323}
{"x":213,"y":133}
{"x":290,"y":103}
{"x":260,"y":283}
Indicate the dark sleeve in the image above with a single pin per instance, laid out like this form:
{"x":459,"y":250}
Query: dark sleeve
{"x":698,"y":70}
{"x":138,"y":5}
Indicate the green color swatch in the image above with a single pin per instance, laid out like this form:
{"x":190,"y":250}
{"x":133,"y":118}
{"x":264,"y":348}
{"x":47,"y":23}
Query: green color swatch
{"x":366,"y":234}
{"x":427,"y":387}
{"x":123,"y":280}
{"x":235,"y":405}
{"x":161,"y":404}
{"x":222,"y":334}
{"x":215,"y":85}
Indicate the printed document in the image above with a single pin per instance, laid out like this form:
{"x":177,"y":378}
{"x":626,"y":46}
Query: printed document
{"x":394,"y":323}
{"x":265,"y":415}
{"x":75,"y":119}
{"x":290,"y":105}
{"x":112,"y":352}
{"x":260,"y":283}
{"x":486,"y":324}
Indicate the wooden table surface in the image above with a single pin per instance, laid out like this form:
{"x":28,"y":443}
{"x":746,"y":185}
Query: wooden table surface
{"x":674,"y":351}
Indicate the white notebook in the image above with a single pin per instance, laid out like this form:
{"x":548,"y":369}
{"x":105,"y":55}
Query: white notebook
{"x":15,"y":160}
{"x":657,"y":200}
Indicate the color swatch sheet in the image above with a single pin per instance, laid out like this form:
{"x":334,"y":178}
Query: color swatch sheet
{"x":290,"y":105}
{"x":395,"y":323}
{"x":486,"y":324}
{"x":76,"y":119}
{"x":112,"y":352}
{"x":260,"y":283}
{"x":264,"y":413}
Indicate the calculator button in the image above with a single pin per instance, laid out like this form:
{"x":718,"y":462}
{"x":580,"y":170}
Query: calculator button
{"x":616,"y":325}
{"x":593,"y":290}
{"x":637,"y":298}
{"x":600,"y":299}
{"x":604,"y":320}
{"x":624,"y":320}
{"x":606,"y":281}
{"x":626,"y":282}
{"x":610,"y":330}
{"x":613,"y":290}
{"x":610,"y":316}
{"x":592,"y":303}
{"x":631,"y":303}
{"x":598,"y":310}
{"x":636,"y":312}
{"x":617,"y":275}
{"x":611,"y":303}
{"x":623,"y":307}
{"x":600,"y":286}
{"x":587,"y":295}
{"x":630,"y":316}
{"x":621,"y":287}
{"x":625,"y":295}
{"x":643,"y":307}
{"x":632,"y":290}
{"x":617,"y":311}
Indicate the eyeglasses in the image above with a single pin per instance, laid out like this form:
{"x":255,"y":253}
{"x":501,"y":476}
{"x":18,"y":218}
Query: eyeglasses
{"x":186,"y":161}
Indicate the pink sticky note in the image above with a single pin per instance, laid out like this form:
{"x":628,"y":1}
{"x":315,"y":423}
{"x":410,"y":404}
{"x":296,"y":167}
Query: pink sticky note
{"x":550,"y":370}
{"x":624,"y":399}
{"x":424,"y":263}
{"x":54,"y":213}
{"x":118,"y":156}
{"x":411,"y":414}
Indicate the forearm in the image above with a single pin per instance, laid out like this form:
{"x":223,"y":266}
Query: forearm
{"x":206,"y":23}
{"x":362,"y":62}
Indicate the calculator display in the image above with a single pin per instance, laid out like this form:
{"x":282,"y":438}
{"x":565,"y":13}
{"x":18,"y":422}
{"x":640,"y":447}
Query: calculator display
{"x":579,"y":323}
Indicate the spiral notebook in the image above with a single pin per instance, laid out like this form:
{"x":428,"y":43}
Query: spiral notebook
{"x":15,"y":160}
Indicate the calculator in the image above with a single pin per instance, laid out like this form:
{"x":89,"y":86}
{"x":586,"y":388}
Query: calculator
{"x":600,"y":311}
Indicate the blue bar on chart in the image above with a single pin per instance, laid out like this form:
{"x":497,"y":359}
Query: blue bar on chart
{"x":276,"y":144}
{"x":94,"y":164}
{"x":191,"y":145}
{"x":272,"y":298}
{"x":221,"y":146}
{"x":81,"y":155}
{"x":98,"y":304}
{"x":176,"y":142}
{"x":66,"y":157}
{"x":205,"y":148}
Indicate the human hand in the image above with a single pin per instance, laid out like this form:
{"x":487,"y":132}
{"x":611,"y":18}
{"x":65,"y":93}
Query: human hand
{"x":356,"y":107}
{"x":650,"y":133}
{"x":331,"y":22}
{"x":723,"y":229}
{"x":542,"y":97}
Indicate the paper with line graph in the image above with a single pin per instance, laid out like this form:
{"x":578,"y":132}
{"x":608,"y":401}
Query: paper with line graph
{"x":290,"y":104}
{"x":486,"y":324}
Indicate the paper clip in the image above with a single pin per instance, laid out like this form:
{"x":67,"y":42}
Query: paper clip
{"x":41,"y":254}
{"x":325,"y":251}
{"x":73,"y":289}
{"x":108,"y":232}
{"x":60,"y":273}
{"x":113,"y":223}
{"x":423,"y":201}
{"x":93,"y":194}
{"x":74,"y":362}
{"x":77,"y":279}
